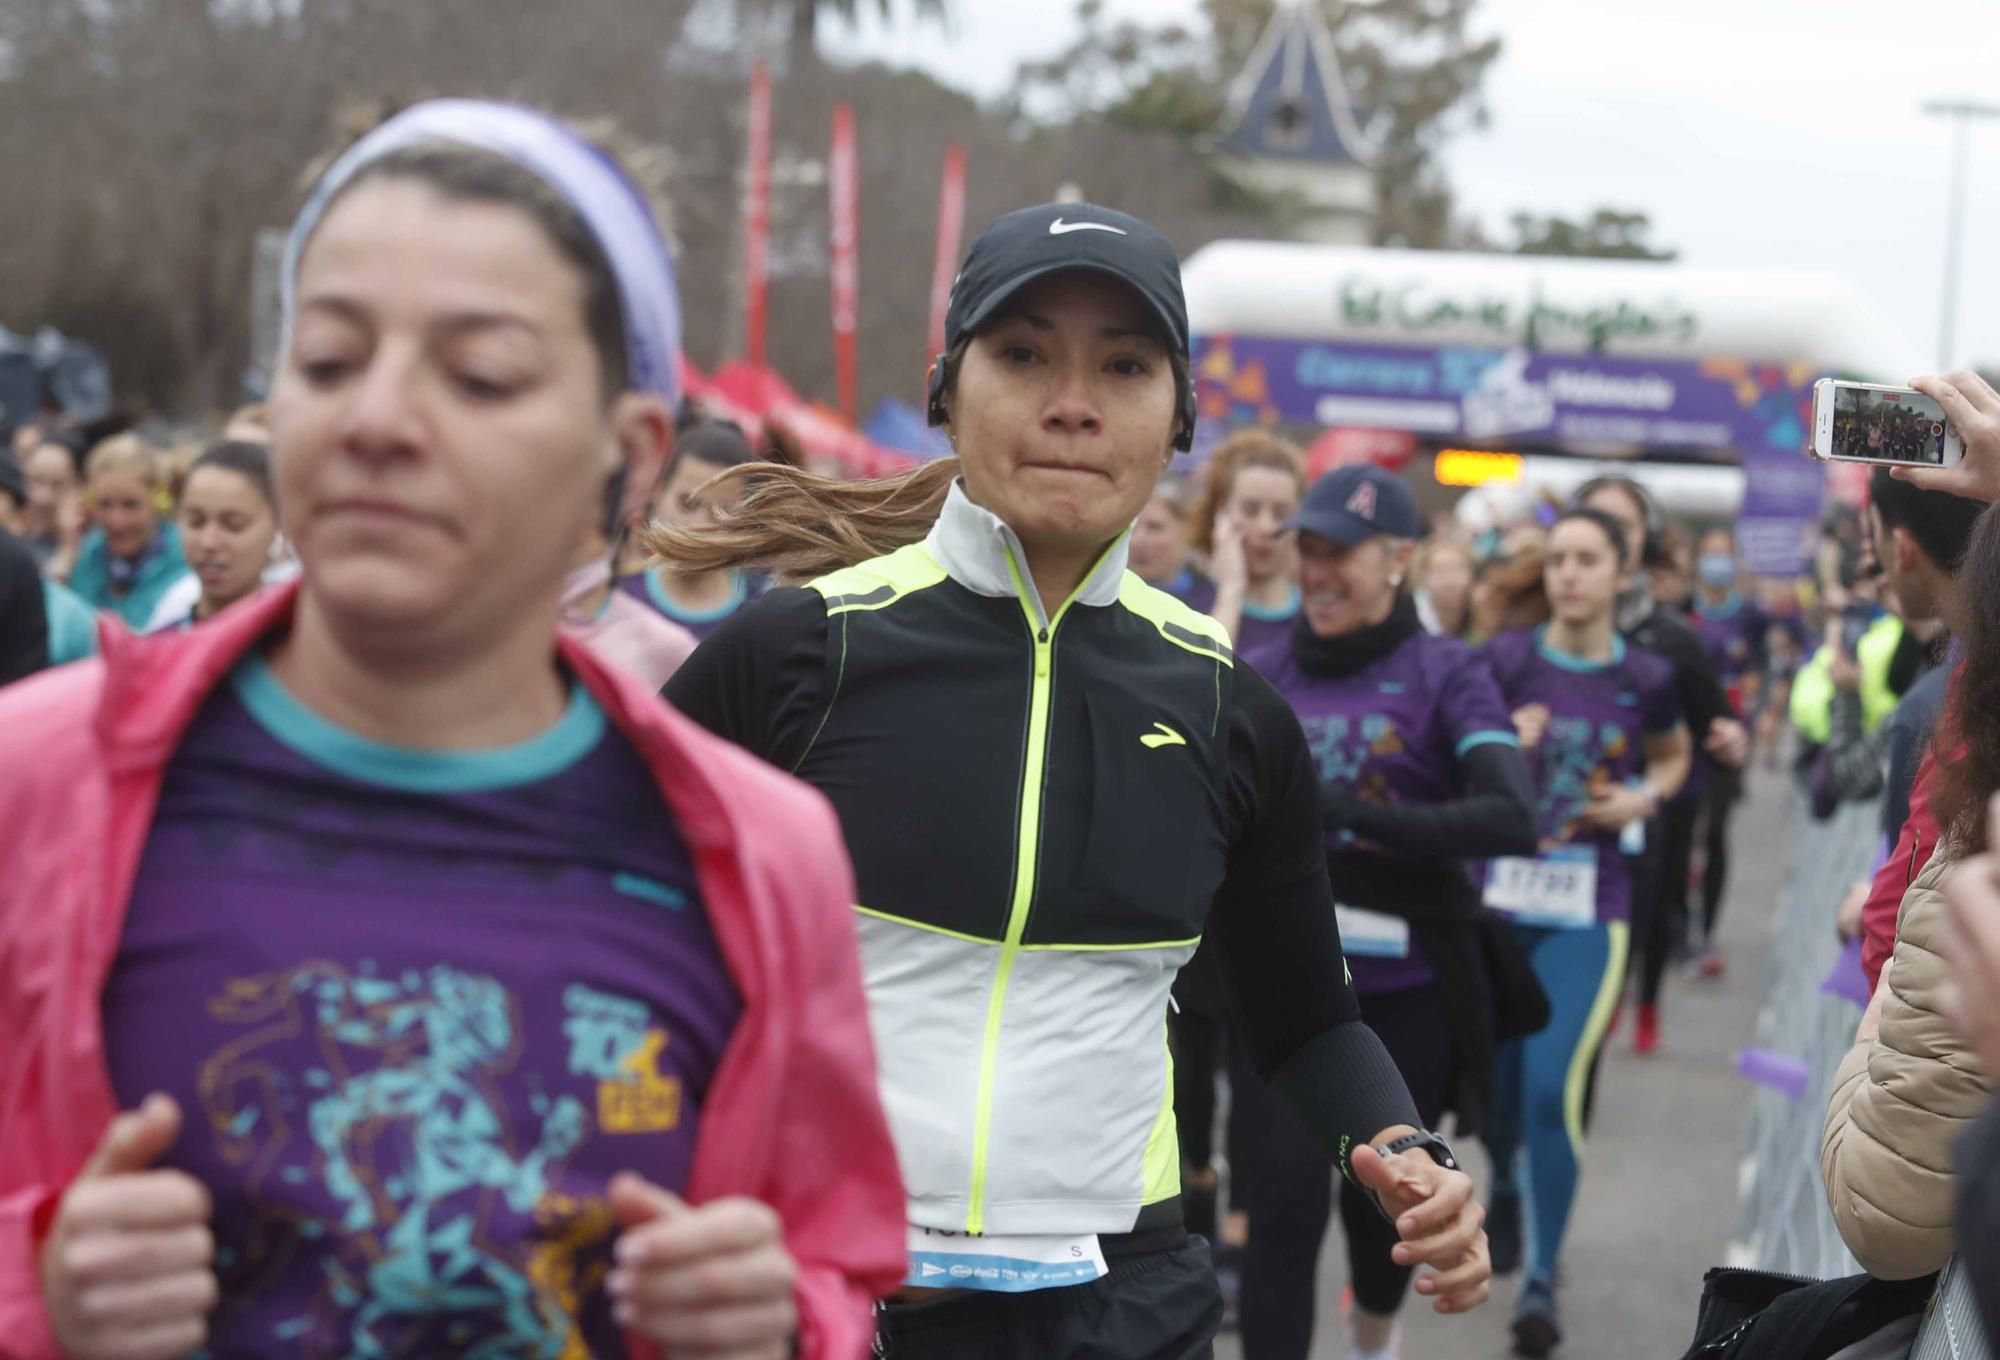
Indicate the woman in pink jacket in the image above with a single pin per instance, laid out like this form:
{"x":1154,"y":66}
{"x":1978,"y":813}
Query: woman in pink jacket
{"x":381,"y":973}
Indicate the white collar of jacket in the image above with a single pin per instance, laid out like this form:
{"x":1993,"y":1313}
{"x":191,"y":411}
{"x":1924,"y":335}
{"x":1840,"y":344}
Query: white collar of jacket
{"x":974,"y":546}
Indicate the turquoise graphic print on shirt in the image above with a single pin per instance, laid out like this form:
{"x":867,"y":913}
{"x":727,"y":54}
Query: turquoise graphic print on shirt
{"x":1578,"y":756}
{"x":417,"y":1013}
{"x":402,"y":1131}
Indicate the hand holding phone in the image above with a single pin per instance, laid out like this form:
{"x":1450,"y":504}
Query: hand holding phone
{"x":1871,"y":423}
{"x":1973,"y":408}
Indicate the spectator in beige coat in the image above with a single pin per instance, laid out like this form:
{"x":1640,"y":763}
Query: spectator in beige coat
{"x":1903,"y":1096}
{"x":1911,"y":1086}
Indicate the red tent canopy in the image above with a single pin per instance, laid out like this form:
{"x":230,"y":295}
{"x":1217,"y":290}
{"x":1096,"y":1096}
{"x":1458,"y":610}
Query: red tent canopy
{"x":751,"y":394}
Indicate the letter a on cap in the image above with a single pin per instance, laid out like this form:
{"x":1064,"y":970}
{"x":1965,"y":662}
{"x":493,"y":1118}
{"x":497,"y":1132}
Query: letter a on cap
{"x":1362,"y":502}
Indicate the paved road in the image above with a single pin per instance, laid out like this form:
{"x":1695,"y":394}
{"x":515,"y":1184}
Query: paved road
{"x":1659,"y":1186}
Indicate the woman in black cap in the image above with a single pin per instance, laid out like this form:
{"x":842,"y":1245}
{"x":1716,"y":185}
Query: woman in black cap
{"x":1054,"y":779}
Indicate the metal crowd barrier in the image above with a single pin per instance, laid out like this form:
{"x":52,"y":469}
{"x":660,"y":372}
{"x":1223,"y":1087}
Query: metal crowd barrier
{"x":1782,"y":1222}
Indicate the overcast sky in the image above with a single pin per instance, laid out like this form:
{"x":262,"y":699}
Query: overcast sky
{"x":1753,"y":131}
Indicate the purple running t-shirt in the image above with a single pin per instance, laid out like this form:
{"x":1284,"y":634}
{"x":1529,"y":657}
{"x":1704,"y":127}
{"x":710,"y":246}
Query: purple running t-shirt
{"x":743,"y":587}
{"x":1261,"y":628}
{"x":1393,"y":733}
{"x":1192,"y":589}
{"x":1256,"y":630}
{"x":1734,"y":633}
{"x":1599,"y":718}
{"x":417,"y":1009}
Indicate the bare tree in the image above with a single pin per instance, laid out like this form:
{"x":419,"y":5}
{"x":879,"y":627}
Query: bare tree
{"x":149,"y":140}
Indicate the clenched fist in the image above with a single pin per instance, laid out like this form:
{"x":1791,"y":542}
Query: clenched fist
{"x":127,"y":1270}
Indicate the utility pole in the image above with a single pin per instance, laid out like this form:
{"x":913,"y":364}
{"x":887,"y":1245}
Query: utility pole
{"x":1962,"y":112}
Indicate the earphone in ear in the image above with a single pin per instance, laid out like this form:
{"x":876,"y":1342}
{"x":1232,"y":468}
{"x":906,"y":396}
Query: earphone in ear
{"x":934,"y":412}
{"x":1184,"y":441}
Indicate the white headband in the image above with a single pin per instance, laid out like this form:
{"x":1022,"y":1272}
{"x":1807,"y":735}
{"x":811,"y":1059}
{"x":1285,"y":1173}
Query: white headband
{"x":600,"y":193}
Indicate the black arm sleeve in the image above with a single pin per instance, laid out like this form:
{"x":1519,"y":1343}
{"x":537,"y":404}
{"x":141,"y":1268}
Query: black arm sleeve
{"x":756,"y":680}
{"x":1496,"y":816}
{"x":1273,"y":925}
{"x":24,"y":620}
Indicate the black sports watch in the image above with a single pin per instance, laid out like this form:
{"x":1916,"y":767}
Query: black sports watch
{"x":1432,"y":1143}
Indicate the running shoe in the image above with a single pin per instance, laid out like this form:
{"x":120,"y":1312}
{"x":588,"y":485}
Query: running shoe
{"x":1646,"y":1035}
{"x":1537,"y":1329}
{"x":1503,"y":1231}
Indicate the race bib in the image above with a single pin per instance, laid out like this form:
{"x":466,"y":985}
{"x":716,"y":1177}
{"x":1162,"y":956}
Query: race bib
{"x":1557,"y":888}
{"x":1002,"y":1265}
{"x":1372,"y":934}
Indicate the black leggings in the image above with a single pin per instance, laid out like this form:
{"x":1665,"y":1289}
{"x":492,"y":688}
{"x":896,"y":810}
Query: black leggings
{"x":1291,"y":1191}
{"x":1725,"y":791}
{"x":1660,"y":893}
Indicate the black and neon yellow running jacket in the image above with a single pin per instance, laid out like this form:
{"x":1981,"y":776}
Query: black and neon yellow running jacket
{"x":1045,"y":814}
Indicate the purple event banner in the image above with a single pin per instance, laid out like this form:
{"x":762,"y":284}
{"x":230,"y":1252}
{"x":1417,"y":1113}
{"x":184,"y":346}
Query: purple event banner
{"x":1755,"y":415}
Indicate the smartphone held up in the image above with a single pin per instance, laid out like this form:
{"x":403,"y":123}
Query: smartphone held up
{"x":1856,"y":422}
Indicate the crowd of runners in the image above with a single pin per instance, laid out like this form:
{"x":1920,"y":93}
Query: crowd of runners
{"x":527,"y":869}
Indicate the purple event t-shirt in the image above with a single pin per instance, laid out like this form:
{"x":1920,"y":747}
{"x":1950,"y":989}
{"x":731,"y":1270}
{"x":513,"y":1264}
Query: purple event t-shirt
{"x":1393,"y":733}
{"x":1734,"y":633}
{"x":744,"y":587}
{"x":1192,"y":589}
{"x":417,"y":1009}
{"x":1261,"y":628}
{"x":1600,"y":715}
{"x":1258,"y":628}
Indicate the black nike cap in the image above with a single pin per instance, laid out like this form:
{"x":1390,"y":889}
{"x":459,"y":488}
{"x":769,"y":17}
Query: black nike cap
{"x":1032,"y":243}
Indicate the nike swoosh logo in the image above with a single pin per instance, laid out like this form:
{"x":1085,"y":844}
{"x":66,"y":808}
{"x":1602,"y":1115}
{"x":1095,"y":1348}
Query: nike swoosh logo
{"x":1062,"y":228}
{"x":1166,"y":736}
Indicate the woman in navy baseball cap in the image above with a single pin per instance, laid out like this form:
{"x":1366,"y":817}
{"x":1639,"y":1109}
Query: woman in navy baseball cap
{"x":1418,"y":768}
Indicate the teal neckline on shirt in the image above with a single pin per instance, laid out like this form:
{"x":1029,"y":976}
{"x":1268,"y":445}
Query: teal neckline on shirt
{"x":407,"y":769}
{"x":658,"y":594}
{"x":1278,"y":615}
{"x":1577,"y":663}
{"x":1728,"y":609}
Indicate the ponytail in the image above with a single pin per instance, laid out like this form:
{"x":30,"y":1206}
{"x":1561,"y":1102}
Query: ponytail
{"x":797,"y":525}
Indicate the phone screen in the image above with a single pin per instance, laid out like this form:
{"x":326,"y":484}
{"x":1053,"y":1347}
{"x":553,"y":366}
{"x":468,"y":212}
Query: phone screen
{"x":1887,"y":427}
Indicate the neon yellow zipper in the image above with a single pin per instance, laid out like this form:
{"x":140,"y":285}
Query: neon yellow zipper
{"x":1027,"y":845}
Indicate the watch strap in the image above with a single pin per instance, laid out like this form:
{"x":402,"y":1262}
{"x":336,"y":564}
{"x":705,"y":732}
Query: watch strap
{"x":1439,"y":1150}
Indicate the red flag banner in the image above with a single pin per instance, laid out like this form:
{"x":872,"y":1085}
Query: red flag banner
{"x":950,"y":227}
{"x":757,"y":214}
{"x":844,"y":203}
